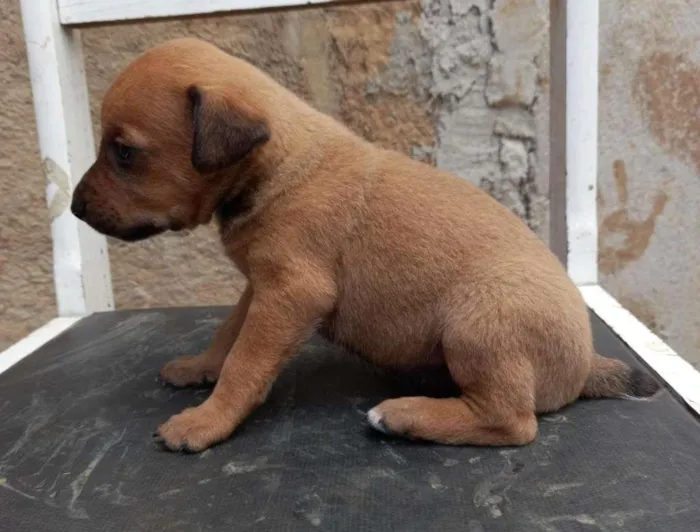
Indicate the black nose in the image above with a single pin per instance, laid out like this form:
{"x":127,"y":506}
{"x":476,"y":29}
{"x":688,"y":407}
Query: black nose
{"x":78,"y":207}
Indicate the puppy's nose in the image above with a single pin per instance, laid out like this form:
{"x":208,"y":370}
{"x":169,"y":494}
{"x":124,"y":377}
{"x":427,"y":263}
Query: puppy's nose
{"x":78,"y":207}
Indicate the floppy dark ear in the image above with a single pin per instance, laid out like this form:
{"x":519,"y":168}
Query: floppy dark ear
{"x":223,"y":134}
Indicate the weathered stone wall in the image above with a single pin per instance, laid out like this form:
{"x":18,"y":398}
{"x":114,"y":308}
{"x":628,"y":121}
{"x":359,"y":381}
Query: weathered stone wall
{"x":458,"y":83}
{"x":489,"y":69}
{"x":387,"y":70}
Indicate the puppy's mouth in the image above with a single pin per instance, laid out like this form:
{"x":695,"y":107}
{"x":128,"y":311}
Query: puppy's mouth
{"x":129,"y":234}
{"x":139,"y":232}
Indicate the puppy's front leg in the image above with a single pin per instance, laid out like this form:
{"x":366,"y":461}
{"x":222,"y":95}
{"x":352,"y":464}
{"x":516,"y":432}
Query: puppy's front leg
{"x":205,"y":368}
{"x":277,"y":322}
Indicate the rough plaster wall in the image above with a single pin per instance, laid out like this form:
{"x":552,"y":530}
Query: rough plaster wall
{"x":649,"y":202}
{"x":400,"y":82}
{"x":489,"y":70}
{"x":384,"y":70}
{"x":349,"y":62}
{"x":320,"y":55}
{"x":468,"y":74}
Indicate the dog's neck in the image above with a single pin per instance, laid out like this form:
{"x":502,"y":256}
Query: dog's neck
{"x":301,"y":138}
{"x":237,"y":202}
{"x":289,"y":159}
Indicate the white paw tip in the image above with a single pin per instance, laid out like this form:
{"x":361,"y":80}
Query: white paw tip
{"x":375,"y":419}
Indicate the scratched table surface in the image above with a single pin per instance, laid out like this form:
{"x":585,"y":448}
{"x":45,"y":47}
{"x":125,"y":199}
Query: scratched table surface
{"x":76,"y":454}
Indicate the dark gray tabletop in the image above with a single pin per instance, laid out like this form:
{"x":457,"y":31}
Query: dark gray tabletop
{"x":76,"y":420}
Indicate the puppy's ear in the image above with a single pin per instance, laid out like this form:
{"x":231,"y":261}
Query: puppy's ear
{"x":223,"y":133}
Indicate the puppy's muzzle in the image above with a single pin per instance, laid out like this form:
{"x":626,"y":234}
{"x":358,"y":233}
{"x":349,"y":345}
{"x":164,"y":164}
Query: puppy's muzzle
{"x":78,"y":207}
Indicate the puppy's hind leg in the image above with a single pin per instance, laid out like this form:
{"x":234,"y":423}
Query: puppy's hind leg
{"x":496,"y":406}
{"x":205,"y":368}
{"x":456,"y":421}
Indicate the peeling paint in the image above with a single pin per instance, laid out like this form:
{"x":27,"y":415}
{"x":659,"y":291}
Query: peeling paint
{"x":58,"y":190}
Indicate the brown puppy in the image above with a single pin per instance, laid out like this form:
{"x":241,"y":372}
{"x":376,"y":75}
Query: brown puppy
{"x":403,"y":263}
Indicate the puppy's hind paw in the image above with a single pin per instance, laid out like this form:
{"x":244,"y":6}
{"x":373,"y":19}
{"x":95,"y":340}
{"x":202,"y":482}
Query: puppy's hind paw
{"x":375,"y":419}
{"x":189,"y":371}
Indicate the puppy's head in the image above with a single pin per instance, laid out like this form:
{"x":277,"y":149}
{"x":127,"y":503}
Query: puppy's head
{"x":177,"y":124}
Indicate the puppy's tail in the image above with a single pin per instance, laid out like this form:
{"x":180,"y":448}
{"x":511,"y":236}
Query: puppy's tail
{"x":613,"y":378}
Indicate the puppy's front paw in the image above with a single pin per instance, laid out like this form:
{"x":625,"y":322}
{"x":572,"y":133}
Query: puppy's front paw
{"x":189,"y":371}
{"x":194,"y":429}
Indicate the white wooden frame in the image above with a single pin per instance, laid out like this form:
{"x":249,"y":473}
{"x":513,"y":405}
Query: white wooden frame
{"x":81,"y":267}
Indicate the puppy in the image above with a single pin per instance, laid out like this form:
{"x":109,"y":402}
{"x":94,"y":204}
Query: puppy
{"x":403,"y":263}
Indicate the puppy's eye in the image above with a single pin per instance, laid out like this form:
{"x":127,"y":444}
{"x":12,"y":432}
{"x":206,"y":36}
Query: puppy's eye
{"x":124,"y":154}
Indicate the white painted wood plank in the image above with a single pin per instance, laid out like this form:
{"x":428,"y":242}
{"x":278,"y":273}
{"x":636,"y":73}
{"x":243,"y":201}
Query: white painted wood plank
{"x":670,"y":367}
{"x":27,"y":345}
{"x":94,"y":11}
{"x":574,"y":136}
{"x":81,"y":266}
